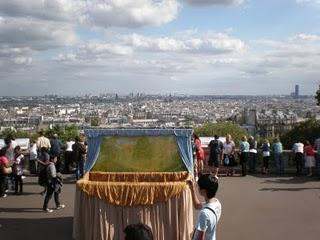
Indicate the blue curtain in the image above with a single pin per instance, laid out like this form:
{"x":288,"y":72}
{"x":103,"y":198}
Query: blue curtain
{"x":185,"y":149}
{"x":93,"y":152}
{"x":137,"y":132}
{"x":183,"y":137}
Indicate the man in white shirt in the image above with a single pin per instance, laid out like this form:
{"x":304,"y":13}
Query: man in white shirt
{"x":33,"y":157}
{"x":298,"y":156}
{"x":210,"y":212}
{"x":68,"y":155}
{"x":43,"y":141}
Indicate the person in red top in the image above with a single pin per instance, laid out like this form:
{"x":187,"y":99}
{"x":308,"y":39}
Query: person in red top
{"x":4,"y":163}
{"x":309,"y":154}
{"x":199,"y":153}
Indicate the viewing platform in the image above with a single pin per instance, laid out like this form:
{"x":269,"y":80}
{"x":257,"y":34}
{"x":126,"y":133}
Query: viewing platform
{"x":253,"y":208}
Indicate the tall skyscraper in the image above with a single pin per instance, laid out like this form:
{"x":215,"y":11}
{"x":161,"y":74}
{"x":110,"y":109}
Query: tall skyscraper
{"x":296,"y":91}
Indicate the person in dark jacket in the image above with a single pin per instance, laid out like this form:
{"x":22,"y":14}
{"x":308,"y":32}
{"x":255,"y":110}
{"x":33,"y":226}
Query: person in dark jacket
{"x":43,"y":160}
{"x":79,"y":155}
{"x":55,"y":150}
{"x":215,"y":155}
{"x":252,"y":154}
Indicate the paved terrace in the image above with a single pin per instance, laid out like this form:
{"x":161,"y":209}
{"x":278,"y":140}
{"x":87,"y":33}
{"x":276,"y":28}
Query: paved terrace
{"x":254,"y":207}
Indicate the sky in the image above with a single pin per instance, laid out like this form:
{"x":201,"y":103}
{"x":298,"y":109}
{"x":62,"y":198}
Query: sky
{"x":198,"y":47}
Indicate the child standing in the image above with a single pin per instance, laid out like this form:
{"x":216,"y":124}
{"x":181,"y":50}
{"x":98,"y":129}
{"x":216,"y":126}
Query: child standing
{"x":210,"y":211}
{"x":18,"y":170}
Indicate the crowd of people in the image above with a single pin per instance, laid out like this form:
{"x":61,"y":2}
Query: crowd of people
{"x":45,"y":156}
{"x":45,"y":160}
{"x":224,"y":153}
{"x":306,"y":156}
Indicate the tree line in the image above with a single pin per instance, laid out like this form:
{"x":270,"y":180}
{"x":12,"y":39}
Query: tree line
{"x":308,"y":130}
{"x":64,"y":133}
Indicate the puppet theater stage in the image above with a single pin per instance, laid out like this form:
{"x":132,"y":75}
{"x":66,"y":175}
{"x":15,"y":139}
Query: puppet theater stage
{"x":132,"y":176}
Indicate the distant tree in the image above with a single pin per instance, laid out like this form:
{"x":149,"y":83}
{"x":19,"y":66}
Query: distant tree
{"x":71,"y":132}
{"x":318,"y":96}
{"x":64,"y":133}
{"x":221,"y":129}
{"x":308,"y":130}
{"x":10,"y":132}
{"x":95,"y":122}
{"x":49,"y":132}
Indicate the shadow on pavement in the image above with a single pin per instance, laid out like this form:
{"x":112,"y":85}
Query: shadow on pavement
{"x":288,"y":189}
{"x":20,"y":210}
{"x":292,"y":180}
{"x":36,"y":229}
{"x":10,"y":193}
{"x":30,"y":183}
{"x":70,"y":179}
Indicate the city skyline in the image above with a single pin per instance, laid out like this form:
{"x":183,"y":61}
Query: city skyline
{"x":195,"y":47}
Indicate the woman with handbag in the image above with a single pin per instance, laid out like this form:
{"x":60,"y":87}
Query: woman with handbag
{"x":5,"y":170}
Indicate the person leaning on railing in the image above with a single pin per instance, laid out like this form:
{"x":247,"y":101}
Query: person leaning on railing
{"x":297,"y":149}
{"x":228,"y":155}
{"x":317,"y":148}
{"x":309,"y":155}
{"x":266,"y":156}
{"x":199,"y":154}
{"x":277,"y":150}
{"x":79,"y":155}
{"x":244,"y":155}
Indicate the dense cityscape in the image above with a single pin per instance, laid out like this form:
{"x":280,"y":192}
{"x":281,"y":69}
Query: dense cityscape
{"x":259,"y":115}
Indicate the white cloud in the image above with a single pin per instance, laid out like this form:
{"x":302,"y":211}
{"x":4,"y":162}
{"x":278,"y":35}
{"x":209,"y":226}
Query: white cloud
{"x":214,"y":2}
{"x":145,"y":43}
{"x":126,"y":13}
{"x":298,"y":53}
{"x":106,"y":48}
{"x":21,"y":38}
{"x":101,"y":13}
{"x":70,"y":57}
{"x":309,"y":2}
{"x":35,"y":34}
{"x":94,"y":53}
{"x":306,"y":37}
{"x":61,"y":10}
{"x":218,"y":43}
{"x":4,"y":52}
{"x":139,"y":50}
{"x":19,"y":56}
{"x":148,"y":57}
{"x":22,"y":60}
